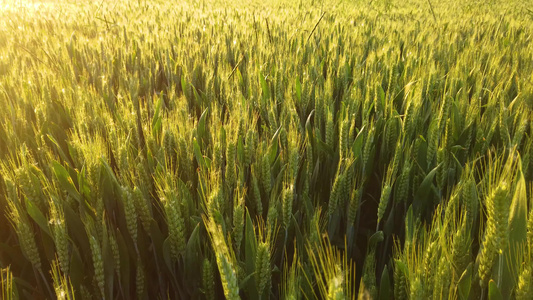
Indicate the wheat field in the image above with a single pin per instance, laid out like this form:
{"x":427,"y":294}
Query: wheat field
{"x":369,"y":149}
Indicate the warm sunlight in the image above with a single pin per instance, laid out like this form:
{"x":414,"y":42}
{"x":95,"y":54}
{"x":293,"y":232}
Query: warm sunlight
{"x":22,"y":5}
{"x":266,"y":149}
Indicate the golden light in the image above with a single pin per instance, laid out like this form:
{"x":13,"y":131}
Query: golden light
{"x":23,"y":5}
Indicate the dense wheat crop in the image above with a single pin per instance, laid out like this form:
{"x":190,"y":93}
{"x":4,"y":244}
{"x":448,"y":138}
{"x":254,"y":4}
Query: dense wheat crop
{"x":266,"y":150}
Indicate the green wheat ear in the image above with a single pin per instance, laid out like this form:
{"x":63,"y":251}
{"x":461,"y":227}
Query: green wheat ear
{"x":24,"y":233}
{"x":225,"y":258}
{"x":286,"y":205}
{"x":386,"y":192}
{"x":8,"y":291}
{"x":335,"y":194}
{"x":443,"y":279}
{"x":266,"y":175}
{"x":238,"y":220}
{"x":143,"y":208}
{"x":496,"y":231}
{"x":461,"y":248}
{"x":231,"y":172}
{"x":417,"y":289}
{"x":524,"y":287}
{"x":383,"y":202}
{"x":208,"y":280}
{"x":59,"y":227}
{"x":63,"y":288}
{"x":98,"y":264}
{"x":256,"y":194}
{"x":470,"y":201}
{"x":129,"y":209}
{"x":401,"y":280}
{"x":229,"y":277}
{"x":430,"y":265}
{"x":333,"y":270}
{"x":262,"y":267}
{"x":291,"y":279}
